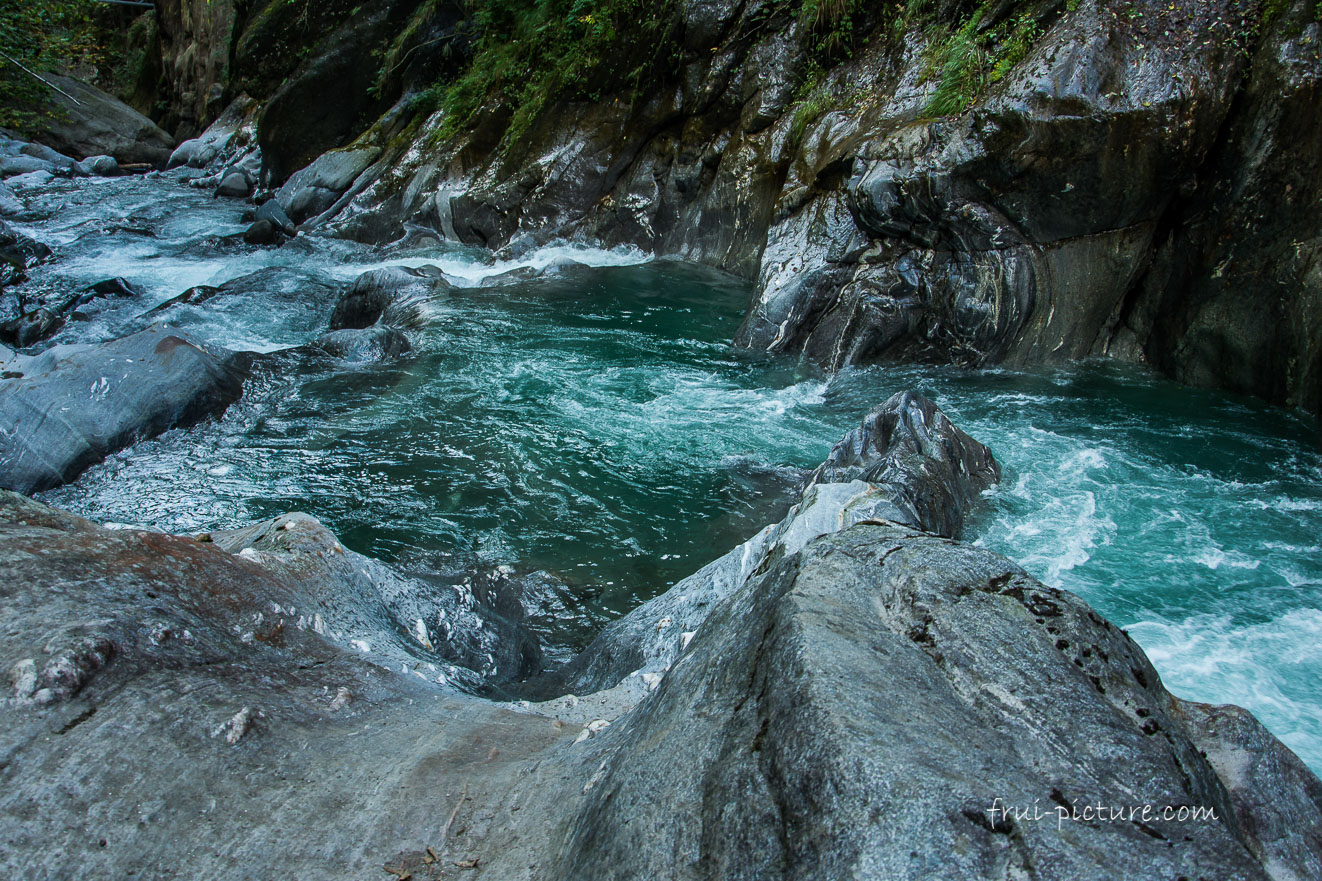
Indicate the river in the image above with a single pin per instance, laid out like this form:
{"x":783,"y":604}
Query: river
{"x":592,"y":421}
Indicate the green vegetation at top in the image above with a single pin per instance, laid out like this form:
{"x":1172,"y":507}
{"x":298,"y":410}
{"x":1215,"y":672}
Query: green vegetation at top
{"x":965,"y":60}
{"x":37,"y":37}
{"x":531,"y":52}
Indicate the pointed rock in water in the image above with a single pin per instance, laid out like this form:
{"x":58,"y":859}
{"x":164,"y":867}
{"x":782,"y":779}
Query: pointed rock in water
{"x":263,"y":232}
{"x":907,"y":463}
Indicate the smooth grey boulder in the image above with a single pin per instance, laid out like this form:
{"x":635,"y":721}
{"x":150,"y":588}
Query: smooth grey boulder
{"x":906,"y":464}
{"x":98,"y":166}
{"x":21,"y":182}
{"x":234,"y":185}
{"x":75,"y":405}
{"x":398,"y":296}
{"x":377,"y":343}
{"x":15,"y":165}
{"x":96,"y":124}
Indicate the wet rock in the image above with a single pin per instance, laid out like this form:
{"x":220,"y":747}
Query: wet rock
{"x":234,"y":185}
{"x":272,"y":213}
{"x":31,"y":327}
{"x":314,"y":189}
{"x":114,"y":287}
{"x":92,"y":123}
{"x":99,"y":166}
{"x":9,"y":203}
{"x":75,"y":405}
{"x":263,"y":232}
{"x":376,"y":343}
{"x":20,"y":252}
{"x":396,"y":296}
{"x":907,"y":447}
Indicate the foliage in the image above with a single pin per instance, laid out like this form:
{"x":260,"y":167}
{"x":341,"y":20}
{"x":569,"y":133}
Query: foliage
{"x":530,"y":53}
{"x":42,"y":36}
{"x":827,"y":27}
{"x":973,"y":57}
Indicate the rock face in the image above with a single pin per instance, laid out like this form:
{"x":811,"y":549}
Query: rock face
{"x":1117,"y":177}
{"x":71,"y":406}
{"x":874,"y":702}
{"x":878,"y":693}
{"x":92,"y":123}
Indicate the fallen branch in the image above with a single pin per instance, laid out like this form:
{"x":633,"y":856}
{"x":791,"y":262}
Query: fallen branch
{"x":41,"y":78}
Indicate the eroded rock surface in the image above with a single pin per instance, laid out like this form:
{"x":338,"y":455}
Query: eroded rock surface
{"x":70,"y":407}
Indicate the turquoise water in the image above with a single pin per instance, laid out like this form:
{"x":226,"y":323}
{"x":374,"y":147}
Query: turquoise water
{"x":595,"y":423}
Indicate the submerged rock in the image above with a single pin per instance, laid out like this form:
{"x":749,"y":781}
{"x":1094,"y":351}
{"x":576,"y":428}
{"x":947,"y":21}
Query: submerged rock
{"x":396,"y":296}
{"x":74,"y":405}
{"x":365,"y":344}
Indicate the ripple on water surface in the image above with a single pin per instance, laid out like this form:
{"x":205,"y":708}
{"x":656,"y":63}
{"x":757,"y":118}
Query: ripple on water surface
{"x":595,"y":423}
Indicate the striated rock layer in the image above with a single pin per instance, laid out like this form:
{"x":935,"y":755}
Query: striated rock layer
{"x":865,"y":700}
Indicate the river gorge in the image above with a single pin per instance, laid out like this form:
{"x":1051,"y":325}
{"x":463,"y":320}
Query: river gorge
{"x":763,"y":481}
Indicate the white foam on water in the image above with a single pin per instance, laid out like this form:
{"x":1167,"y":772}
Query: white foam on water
{"x":468,"y":268}
{"x":1272,"y":668}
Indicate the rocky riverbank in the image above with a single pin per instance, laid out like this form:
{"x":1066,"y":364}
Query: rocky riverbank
{"x":957,"y":181}
{"x":850,"y":695}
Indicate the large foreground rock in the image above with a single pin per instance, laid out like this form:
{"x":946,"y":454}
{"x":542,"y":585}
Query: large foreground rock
{"x":72,"y":406}
{"x":877,"y":702}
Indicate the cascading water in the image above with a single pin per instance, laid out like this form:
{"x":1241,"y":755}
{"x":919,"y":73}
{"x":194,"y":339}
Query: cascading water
{"x":592,"y":421}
